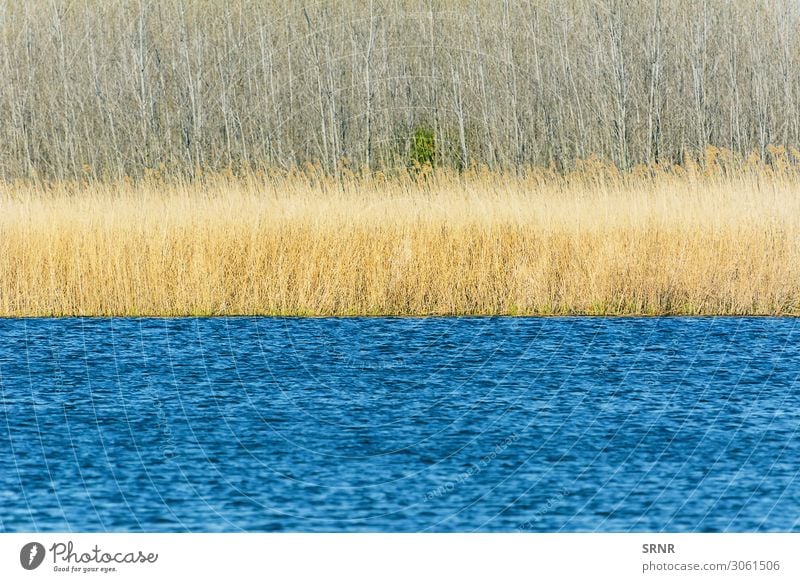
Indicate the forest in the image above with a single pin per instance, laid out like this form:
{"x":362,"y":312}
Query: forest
{"x":103,"y":90}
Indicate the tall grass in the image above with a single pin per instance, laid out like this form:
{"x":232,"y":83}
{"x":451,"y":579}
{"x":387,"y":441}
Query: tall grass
{"x":658,"y":240}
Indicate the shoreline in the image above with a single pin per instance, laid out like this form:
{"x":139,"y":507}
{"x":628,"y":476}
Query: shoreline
{"x":794,"y":315}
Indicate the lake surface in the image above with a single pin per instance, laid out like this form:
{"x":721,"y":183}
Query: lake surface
{"x":263,"y":424}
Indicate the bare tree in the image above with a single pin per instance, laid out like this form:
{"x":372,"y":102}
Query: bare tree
{"x":186,"y":86}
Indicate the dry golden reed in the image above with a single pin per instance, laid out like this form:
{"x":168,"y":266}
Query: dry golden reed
{"x":678,"y":240}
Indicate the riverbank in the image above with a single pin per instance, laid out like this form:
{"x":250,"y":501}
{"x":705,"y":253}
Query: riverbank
{"x":680,"y":240}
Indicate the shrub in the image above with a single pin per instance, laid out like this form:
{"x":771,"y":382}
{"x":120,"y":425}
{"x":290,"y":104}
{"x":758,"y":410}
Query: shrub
{"x":423,"y":147}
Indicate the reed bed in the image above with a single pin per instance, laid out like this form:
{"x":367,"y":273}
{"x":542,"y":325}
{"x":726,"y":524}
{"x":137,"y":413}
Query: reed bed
{"x":682,"y":240}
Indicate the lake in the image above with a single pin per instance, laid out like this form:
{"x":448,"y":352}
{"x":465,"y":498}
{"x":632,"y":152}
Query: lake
{"x":400,"y":425}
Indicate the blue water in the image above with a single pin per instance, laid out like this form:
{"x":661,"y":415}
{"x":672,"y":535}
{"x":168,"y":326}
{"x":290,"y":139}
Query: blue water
{"x":258,"y":424}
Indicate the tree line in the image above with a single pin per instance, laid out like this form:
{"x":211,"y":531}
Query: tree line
{"x":111,"y":89}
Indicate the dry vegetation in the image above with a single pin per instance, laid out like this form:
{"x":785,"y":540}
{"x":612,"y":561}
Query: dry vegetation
{"x":657,"y":240}
{"x":110,"y":89}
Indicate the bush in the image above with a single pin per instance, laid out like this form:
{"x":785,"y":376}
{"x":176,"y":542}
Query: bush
{"x":423,"y":147}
